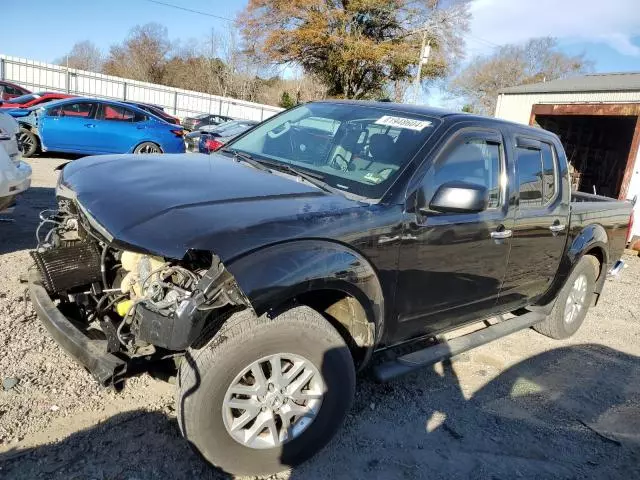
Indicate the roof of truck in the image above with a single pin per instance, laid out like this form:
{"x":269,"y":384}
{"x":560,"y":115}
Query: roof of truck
{"x":435,"y":113}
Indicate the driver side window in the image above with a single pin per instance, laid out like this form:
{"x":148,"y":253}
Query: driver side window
{"x":470,"y":159}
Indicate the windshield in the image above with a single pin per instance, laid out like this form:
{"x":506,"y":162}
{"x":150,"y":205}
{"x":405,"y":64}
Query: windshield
{"x":355,"y":148}
{"x":23,"y":98}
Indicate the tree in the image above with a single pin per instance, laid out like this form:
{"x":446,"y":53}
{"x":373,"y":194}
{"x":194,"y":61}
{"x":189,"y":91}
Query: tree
{"x":83,"y":56}
{"x":286,"y":101}
{"x":355,"y":47}
{"x":467,"y":108}
{"x":142,"y":56}
{"x":537,"y":60}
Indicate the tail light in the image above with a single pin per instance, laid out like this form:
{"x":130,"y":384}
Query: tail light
{"x":211,"y":145}
{"x":178,"y":133}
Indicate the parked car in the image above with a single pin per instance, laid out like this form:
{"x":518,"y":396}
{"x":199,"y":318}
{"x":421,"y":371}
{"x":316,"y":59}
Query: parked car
{"x":193,"y":123}
{"x":91,"y":126}
{"x":220,"y":134}
{"x":272,"y":270}
{"x":156,"y":110}
{"x":33,"y":99}
{"x":10,"y":90}
{"x":15,"y":175}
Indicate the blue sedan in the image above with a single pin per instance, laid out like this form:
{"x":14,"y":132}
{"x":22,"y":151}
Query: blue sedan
{"x":91,"y":126}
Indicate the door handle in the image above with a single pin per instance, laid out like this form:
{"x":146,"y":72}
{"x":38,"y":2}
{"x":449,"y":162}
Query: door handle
{"x":502,"y":234}
{"x":557,"y":228}
{"x":383,"y":239}
{"x":90,"y":125}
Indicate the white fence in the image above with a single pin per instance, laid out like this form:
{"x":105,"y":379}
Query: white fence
{"x":39,"y":76}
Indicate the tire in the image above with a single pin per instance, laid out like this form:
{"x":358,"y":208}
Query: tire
{"x":29,"y":143}
{"x":147,"y":148}
{"x":206,"y":375}
{"x":564,"y":320}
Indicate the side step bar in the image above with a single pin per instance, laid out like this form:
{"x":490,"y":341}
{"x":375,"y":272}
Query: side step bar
{"x":430,"y":355}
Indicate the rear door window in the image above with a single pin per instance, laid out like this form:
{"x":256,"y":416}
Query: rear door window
{"x":116,"y":113}
{"x":549,"y":170}
{"x":529,"y":163}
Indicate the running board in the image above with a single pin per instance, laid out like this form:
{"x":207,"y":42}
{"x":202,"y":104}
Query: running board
{"x":430,"y":355}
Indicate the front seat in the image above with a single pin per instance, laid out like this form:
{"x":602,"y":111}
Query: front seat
{"x":381,"y":148}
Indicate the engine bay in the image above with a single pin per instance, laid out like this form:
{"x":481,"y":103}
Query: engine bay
{"x":140,"y":304}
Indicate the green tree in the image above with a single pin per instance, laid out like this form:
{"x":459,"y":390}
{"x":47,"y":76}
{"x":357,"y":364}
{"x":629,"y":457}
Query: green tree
{"x":356,"y":47}
{"x":286,"y":101}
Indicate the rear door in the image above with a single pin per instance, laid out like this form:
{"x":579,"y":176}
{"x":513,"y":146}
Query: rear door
{"x":452,"y":265}
{"x":68,"y":127}
{"x":119,"y":129}
{"x":541,"y":223}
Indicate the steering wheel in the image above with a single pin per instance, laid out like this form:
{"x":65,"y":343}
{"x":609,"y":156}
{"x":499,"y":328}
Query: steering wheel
{"x":339,"y":163}
{"x":285,"y":128}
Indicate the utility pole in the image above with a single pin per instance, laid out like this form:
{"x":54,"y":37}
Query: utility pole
{"x":425,"y":49}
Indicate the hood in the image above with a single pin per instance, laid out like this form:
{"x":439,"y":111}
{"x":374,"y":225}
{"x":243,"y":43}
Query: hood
{"x":168,"y":204}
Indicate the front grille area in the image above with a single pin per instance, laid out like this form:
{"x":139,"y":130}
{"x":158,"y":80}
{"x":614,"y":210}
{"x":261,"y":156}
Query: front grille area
{"x":64,"y":268}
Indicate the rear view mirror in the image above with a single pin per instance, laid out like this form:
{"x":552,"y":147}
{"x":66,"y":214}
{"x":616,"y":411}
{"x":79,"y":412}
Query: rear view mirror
{"x":460,"y":197}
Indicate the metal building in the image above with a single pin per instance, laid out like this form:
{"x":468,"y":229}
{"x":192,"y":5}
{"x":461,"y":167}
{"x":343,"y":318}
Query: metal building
{"x":597,"y":118}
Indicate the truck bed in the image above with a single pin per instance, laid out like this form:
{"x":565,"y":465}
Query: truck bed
{"x":611,"y":214}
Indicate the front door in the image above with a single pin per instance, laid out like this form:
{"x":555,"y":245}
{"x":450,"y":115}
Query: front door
{"x":68,"y":127}
{"x":541,"y":223}
{"x":452,"y":265}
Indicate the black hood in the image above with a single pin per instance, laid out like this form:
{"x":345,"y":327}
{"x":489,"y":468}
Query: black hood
{"x":167,"y":204}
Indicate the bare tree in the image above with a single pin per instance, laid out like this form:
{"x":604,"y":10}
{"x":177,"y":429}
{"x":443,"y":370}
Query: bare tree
{"x":83,"y":56}
{"x":537,"y":60}
{"x":143,"y":54}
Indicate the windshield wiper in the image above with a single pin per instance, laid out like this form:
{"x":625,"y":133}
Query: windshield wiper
{"x":313,"y":178}
{"x":245,"y":157}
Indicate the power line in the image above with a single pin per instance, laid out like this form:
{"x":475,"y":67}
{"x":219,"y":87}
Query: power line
{"x":191,"y":10}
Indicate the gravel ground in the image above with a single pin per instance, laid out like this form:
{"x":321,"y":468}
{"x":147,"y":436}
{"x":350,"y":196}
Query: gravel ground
{"x":524,"y":406}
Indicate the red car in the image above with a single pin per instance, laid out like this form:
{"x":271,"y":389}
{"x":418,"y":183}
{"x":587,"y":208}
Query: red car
{"x":33,"y":99}
{"x":10,"y":90}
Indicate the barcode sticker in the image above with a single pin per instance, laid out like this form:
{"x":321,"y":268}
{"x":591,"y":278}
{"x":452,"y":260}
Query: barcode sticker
{"x":402,"y":122}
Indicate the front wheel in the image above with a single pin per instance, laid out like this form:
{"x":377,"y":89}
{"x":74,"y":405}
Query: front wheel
{"x":148,"y":147}
{"x":29,"y":143}
{"x":265,"y":394}
{"x":573,"y":301}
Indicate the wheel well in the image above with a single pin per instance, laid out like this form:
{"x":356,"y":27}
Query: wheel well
{"x":347,"y":315}
{"x":598,"y":253}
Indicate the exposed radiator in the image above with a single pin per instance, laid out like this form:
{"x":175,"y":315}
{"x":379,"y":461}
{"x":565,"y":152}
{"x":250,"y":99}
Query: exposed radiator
{"x":64,"y":268}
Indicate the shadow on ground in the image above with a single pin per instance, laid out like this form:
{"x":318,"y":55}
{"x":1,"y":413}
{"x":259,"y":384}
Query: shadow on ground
{"x":572,"y":412}
{"x":17,"y":230}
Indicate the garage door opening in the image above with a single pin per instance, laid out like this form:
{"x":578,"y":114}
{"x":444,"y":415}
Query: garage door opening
{"x":597,"y":149}
{"x":601,"y":142}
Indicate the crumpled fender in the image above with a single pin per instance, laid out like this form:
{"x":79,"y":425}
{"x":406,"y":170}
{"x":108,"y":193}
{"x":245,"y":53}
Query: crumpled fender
{"x":272,"y":276}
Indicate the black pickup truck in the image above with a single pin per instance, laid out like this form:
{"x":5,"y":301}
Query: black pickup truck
{"x":265,"y":275}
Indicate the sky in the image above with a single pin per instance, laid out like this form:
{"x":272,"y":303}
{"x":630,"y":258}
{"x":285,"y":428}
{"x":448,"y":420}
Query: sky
{"x":608,"y":32}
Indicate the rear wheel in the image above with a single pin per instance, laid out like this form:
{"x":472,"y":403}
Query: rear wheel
{"x":573,"y":302}
{"x":148,"y":147}
{"x":29,"y":143}
{"x":265,"y":394}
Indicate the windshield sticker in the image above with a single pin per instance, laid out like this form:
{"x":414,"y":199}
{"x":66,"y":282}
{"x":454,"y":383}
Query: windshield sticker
{"x":402,"y":122}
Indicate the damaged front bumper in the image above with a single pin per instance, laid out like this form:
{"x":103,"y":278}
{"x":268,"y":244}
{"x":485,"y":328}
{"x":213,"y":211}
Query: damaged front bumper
{"x":105,"y":367}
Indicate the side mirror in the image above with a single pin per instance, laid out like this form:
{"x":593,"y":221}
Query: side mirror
{"x":460,"y":197}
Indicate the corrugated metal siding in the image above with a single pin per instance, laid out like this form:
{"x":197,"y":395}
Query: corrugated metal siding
{"x":45,"y":76}
{"x":517,"y":107}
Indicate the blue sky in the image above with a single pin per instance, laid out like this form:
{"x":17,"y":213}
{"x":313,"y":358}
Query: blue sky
{"x":607,"y":32}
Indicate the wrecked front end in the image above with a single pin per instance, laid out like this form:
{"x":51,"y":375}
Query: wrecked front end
{"x":117,"y":311}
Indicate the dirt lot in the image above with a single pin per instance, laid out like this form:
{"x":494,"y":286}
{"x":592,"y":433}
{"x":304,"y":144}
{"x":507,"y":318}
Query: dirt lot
{"x":524,"y":406}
